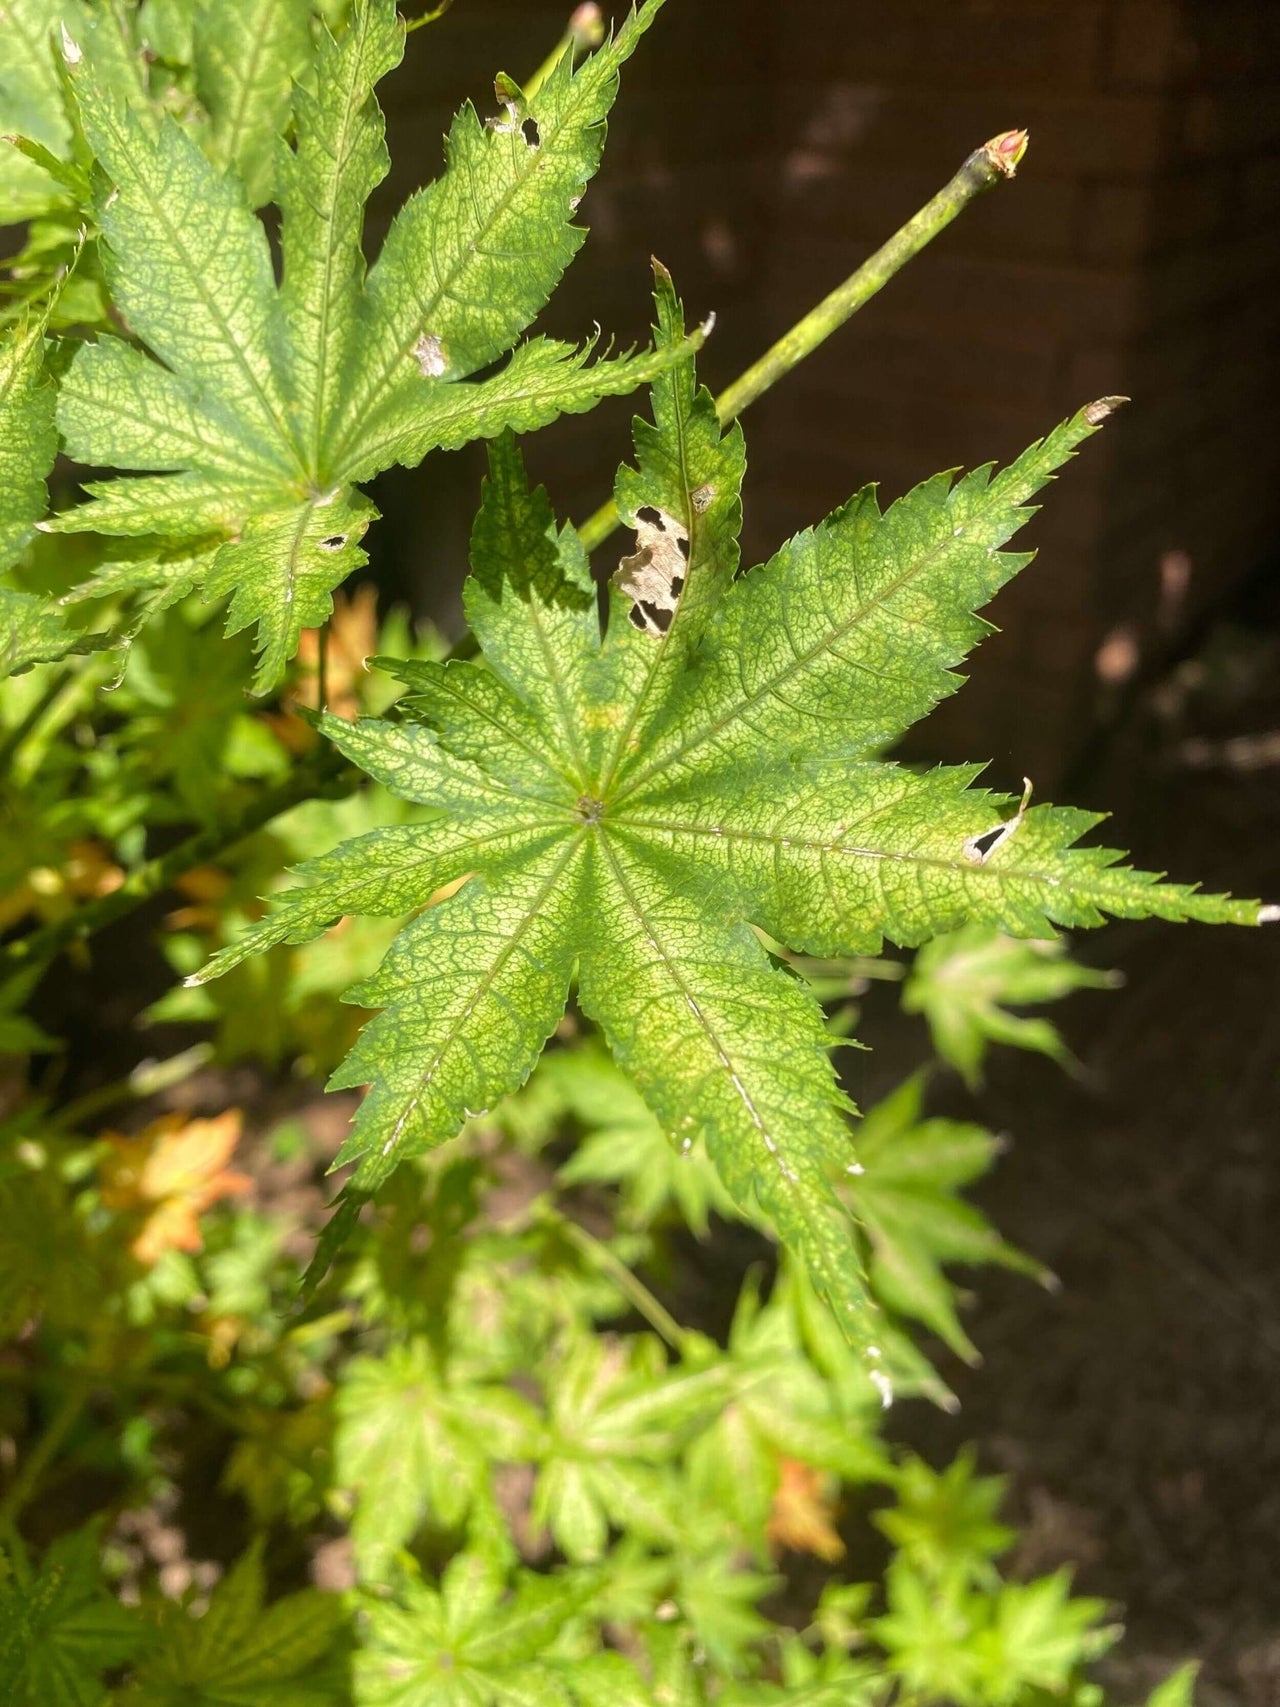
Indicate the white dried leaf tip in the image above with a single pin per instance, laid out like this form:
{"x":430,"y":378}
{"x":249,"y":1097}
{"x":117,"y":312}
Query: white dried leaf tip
{"x":70,"y":49}
{"x":1103,"y":409}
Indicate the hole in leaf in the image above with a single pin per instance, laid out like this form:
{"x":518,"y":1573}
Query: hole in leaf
{"x":530,"y":132}
{"x":653,"y":619}
{"x":983,"y":846}
{"x":654,"y":576}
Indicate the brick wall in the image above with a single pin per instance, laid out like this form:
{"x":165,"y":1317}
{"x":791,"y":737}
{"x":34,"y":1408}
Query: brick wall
{"x":763,"y":151}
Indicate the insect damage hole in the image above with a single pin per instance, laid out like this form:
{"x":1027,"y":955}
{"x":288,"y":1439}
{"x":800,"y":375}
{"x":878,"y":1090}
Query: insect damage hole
{"x":653,"y":576}
{"x":507,"y":126}
{"x":979,"y":849}
{"x":335,"y":542}
{"x":530,"y":132}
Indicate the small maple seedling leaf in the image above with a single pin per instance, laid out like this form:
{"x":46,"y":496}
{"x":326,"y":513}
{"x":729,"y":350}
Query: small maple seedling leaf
{"x":474,"y":1640}
{"x":965,"y":982}
{"x":172,"y":1172}
{"x":243,"y":1651}
{"x":630,"y":806}
{"x":914,"y":1217}
{"x":802,"y":1515}
{"x":250,"y":412}
{"x":62,"y":1629}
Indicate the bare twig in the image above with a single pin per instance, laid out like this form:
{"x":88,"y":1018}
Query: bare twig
{"x":991,"y":164}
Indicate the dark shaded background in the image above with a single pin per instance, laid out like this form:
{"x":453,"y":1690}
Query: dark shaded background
{"x":762,"y":150}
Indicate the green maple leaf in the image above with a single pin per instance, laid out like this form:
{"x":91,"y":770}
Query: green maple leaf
{"x":249,"y":412}
{"x":623,"y":1145}
{"x":782,"y":1406}
{"x":631,"y":806}
{"x":964,"y":983}
{"x":243,"y":1653}
{"x":31,"y":631}
{"x":408,"y":1446}
{"x":915,"y":1220}
{"x":1038,"y":1636}
{"x":474,"y":1643}
{"x":60,"y":1631}
{"x":609,"y":1428}
{"x":946,"y":1522}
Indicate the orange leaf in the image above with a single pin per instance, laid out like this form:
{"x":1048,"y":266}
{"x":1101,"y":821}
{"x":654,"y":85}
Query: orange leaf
{"x":170,"y":1173}
{"x":803,"y":1508}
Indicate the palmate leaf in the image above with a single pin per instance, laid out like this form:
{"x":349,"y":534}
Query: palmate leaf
{"x":473,"y":1643}
{"x":31,"y":631}
{"x":633,"y":805}
{"x":610,"y":1427}
{"x":407,"y":1447}
{"x":61,"y":1631}
{"x":965,"y":983}
{"x":243,"y":1653}
{"x":246,"y":411}
{"x":914,"y":1217}
{"x":31,"y":106}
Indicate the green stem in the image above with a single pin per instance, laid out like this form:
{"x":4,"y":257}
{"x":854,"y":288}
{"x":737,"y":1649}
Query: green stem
{"x":14,"y":738}
{"x":75,"y":694}
{"x":632,"y":1288}
{"x":43,"y":1452}
{"x":147,"y":1079}
{"x":585,"y":30}
{"x":427,"y":17}
{"x":320,"y":775}
{"x":986,"y":166}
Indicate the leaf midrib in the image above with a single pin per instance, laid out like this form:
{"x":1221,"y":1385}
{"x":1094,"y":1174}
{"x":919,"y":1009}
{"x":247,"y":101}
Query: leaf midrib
{"x":229,"y":456}
{"x":341,"y":161}
{"x":920,"y":566}
{"x":237,"y":127}
{"x":693,"y":524}
{"x":309,"y":892}
{"x":459,"y":1022}
{"x":773,"y":1150}
{"x":812,"y":844}
{"x":449,"y":685}
{"x":213,"y":308}
{"x":375,"y":392}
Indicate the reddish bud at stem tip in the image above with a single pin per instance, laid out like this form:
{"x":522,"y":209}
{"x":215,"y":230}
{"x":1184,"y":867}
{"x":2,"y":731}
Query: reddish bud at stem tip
{"x":1006,"y":150}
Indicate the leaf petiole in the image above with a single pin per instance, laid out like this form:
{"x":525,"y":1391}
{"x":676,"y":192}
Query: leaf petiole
{"x":986,"y":166}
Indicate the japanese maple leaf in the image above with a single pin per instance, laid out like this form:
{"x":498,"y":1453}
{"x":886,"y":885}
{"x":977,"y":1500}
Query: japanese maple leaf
{"x":629,"y":807}
{"x":248,"y":412}
{"x":802,"y":1517}
{"x":172,"y":1172}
